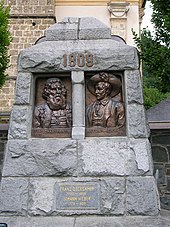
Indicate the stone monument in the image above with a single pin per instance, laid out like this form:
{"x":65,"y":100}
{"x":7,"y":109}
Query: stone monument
{"x":78,"y":138}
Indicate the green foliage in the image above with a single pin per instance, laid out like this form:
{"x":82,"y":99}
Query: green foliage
{"x":161,"y":21}
{"x":153,"y":96}
{"x":155,"y":54}
{"x":5,"y":39}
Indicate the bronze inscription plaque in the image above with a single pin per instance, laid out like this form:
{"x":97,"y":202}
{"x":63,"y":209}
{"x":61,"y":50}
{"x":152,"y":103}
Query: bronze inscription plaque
{"x":78,"y":196}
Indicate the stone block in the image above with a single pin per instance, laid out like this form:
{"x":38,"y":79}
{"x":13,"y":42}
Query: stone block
{"x":41,"y":196}
{"x":91,"y":28}
{"x":142,"y":150}
{"x":137,"y":126}
{"x":78,"y":133}
{"x":67,"y":30}
{"x":113,"y":196}
{"x":20,"y":122}
{"x":107,"y":54}
{"x":133,"y":87}
{"x":142,"y":196}
{"x":78,"y":103}
{"x":45,"y":157}
{"x":23,"y":87}
{"x":13,"y":196}
{"x":120,"y":157}
{"x":78,"y":28}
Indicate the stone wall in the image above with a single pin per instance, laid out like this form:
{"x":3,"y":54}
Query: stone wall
{"x":7,"y":95}
{"x":160,"y":140}
{"x":28,"y":21}
{"x":26,"y":7}
{"x":3,"y":141}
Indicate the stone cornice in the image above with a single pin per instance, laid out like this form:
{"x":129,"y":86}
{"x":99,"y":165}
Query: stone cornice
{"x":93,"y":2}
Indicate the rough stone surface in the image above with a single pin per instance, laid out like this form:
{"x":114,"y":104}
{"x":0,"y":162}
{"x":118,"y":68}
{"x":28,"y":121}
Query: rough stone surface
{"x":62,"y":31}
{"x":113,"y":196}
{"x":23,"y":87}
{"x":133,"y":87}
{"x":141,"y":196}
{"x":137,"y":126}
{"x":41,"y":199}
{"x":13,"y":196}
{"x":78,"y":28}
{"x":93,"y":29}
{"x":107,"y":54}
{"x":45,"y":157}
{"x":20,"y":122}
{"x":114,"y":157}
{"x":142,"y":152}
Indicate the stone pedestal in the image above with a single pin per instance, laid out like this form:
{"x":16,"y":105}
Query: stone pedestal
{"x":59,"y":177}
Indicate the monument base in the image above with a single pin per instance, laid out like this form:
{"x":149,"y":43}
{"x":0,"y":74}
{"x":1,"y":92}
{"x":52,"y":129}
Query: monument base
{"x":106,"y":176}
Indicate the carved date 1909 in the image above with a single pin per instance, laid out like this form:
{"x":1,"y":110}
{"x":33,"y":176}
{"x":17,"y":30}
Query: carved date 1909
{"x":80,"y":60}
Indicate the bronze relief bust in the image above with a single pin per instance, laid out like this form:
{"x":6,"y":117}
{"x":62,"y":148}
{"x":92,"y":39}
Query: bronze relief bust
{"x":106,"y":111}
{"x":54,"y":113}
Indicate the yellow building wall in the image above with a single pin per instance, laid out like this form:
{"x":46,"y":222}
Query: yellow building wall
{"x":92,"y":2}
{"x":121,"y":23}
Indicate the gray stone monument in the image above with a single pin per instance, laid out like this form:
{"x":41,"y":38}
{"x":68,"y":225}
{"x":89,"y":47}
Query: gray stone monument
{"x":78,"y":138}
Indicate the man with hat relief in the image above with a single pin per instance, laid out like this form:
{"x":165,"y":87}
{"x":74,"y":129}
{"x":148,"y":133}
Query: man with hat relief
{"x":105,"y":111}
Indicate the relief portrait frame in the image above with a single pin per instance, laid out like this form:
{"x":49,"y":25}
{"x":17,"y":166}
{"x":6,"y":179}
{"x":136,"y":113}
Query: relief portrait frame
{"x":55,"y":124}
{"x":96,"y":124}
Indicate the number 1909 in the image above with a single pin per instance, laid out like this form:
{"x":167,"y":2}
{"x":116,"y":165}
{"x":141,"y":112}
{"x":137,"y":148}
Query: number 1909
{"x":79,"y":60}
